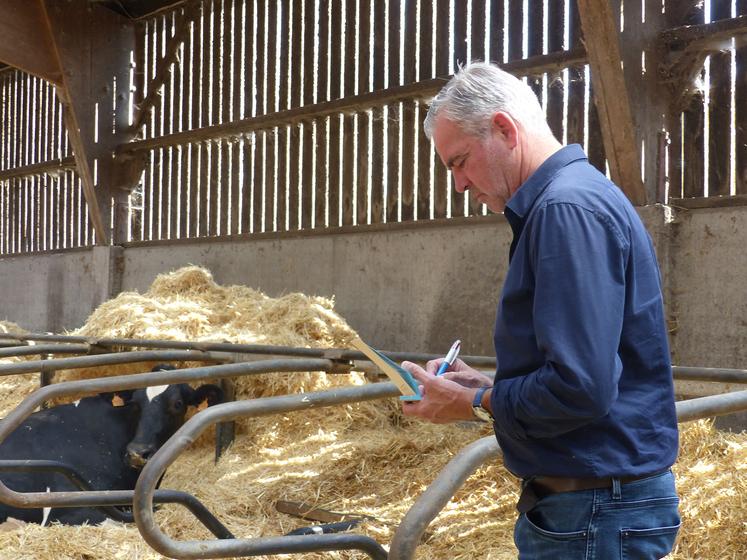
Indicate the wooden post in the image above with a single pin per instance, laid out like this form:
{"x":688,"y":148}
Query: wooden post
{"x":611,"y":97}
{"x":92,"y":46}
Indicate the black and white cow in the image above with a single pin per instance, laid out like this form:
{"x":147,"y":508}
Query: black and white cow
{"x":106,"y":438}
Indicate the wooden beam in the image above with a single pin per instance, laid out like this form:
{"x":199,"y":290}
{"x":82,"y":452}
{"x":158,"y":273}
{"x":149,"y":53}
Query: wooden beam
{"x":51,"y":167}
{"x":163,"y":67}
{"x":93,"y":46}
{"x":709,"y":202}
{"x":536,"y":65}
{"x":25,"y":42}
{"x":601,"y":38}
{"x":706,"y":36}
{"x":686,"y":49}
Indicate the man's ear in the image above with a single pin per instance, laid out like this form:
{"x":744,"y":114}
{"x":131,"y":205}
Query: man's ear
{"x":118,"y":398}
{"x":205,"y":395}
{"x":505,"y":125}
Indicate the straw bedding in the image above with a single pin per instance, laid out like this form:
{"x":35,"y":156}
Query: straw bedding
{"x":363,"y":458}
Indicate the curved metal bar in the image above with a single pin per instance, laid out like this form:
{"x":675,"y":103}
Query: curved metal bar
{"x":108,"y":359}
{"x":189,"y":501}
{"x":134,"y":381}
{"x":184,"y":436}
{"x":714,"y":405}
{"x":709,"y":374}
{"x":330,"y":353}
{"x":437,"y":495}
{"x":451,"y":478}
{"x":34,"y":465}
{"x":31,"y":350}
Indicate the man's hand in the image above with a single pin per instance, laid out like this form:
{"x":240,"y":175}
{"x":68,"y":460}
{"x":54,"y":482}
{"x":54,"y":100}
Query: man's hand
{"x":444,"y":400}
{"x":460,"y":373}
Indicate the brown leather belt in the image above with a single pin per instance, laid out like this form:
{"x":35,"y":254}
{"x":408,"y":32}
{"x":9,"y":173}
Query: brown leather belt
{"x":536,"y":488}
{"x":546,"y":485}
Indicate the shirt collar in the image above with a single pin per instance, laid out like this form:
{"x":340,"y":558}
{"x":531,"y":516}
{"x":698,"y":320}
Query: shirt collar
{"x":524,"y":198}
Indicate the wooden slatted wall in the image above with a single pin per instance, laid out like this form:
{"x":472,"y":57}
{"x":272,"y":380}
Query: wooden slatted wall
{"x":246,"y":59}
{"x":708,"y":151}
{"x":39,"y":210}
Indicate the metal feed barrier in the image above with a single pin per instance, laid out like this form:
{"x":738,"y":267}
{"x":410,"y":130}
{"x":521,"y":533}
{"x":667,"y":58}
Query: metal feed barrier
{"x":145,"y":495}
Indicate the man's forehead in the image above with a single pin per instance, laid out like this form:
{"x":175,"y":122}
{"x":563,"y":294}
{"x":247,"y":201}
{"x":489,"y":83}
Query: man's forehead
{"x":449,"y":139}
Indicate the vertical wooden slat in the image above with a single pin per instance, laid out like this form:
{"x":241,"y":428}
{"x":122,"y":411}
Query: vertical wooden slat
{"x":441,"y":179}
{"x":322,"y":125}
{"x":260,"y":152}
{"x":497,"y":31}
{"x":515,"y":31}
{"x":216,"y":165}
{"x":271,"y":39}
{"x":595,"y":150}
{"x":555,"y":29}
{"x":534,"y":19}
{"x":719,"y":109}
{"x":336,"y":184}
{"x":478,"y":25}
{"x":249,"y":47}
{"x":427,"y":69}
{"x":392,"y":207}
{"x":296,"y":100}
{"x":308,"y":176}
{"x":693,"y":138}
{"x":576,"y":88}
{"x":693,"y":148}
{"x":233,"y":29}
{"x":379,"y":133}
{"x":740,"y":105}
{"x":283,"y":57}
{"x":457,"y":205}
{"x":409,"y":138}
{"x":363,"y":139}
{"x":348,"y":161}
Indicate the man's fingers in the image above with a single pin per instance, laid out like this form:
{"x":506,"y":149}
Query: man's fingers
{"x":417,"y":372}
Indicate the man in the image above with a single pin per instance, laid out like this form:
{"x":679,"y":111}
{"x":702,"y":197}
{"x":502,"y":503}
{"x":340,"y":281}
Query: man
{"x":582,"y":403}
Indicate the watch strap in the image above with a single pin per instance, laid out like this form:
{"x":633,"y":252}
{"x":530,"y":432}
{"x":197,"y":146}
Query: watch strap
{"x":477,"y":407}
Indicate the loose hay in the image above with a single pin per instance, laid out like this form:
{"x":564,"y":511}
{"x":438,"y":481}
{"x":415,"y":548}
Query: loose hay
{"x":9,"y":327}
{"x":364,"y":458}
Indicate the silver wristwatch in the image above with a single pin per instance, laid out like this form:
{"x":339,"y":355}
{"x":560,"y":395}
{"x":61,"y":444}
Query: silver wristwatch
{"x":477,"y":409}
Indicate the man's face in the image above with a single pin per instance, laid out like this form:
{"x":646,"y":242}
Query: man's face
{"x":486,"y":165}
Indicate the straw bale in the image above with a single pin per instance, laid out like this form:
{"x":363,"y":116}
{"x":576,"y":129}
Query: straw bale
{"x":361,"y":458}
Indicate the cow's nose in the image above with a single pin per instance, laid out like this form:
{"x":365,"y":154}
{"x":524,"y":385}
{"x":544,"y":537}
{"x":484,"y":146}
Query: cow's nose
{"x":138,"y":455}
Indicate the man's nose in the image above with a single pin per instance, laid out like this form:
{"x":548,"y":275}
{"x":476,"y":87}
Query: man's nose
{"x":460,"y":182}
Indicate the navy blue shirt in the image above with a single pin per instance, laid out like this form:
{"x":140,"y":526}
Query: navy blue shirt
{"x":583,"y":385}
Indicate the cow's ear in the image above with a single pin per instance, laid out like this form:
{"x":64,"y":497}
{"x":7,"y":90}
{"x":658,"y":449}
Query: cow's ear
{"x":206,"y":395}
{"x":118,"y":398}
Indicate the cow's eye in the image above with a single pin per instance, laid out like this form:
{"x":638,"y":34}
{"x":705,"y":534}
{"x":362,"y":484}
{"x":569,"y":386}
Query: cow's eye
{"x":178,"y":404}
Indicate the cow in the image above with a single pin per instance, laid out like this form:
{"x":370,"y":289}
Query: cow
{"x":105,"y":438}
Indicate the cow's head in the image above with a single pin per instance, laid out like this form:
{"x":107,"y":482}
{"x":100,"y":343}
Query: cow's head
{"x":161,"y":412}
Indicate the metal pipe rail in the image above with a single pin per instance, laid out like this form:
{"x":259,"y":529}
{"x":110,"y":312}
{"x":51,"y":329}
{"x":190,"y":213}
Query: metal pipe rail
{"x":43,"y":349}
{"x":161,"y":496}
{"x":437,"y":495}
{"x":78,"y":362}
{"x":714,"y":405}
{"x":342,"y":354}
{"x":184,"y":436}
{"x":679,"y":372}
{"x":134,"y":381}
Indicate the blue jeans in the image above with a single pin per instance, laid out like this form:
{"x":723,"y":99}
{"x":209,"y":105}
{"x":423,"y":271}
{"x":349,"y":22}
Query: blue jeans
{"x":637,"y":520}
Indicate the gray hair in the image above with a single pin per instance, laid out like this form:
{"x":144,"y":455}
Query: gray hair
{"x":478,"y":91}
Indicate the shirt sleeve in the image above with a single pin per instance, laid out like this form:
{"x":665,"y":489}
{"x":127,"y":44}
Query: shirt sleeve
{"x":578,"y":259}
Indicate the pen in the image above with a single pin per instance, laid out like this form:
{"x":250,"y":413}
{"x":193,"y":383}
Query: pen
{"x":450,"y":358}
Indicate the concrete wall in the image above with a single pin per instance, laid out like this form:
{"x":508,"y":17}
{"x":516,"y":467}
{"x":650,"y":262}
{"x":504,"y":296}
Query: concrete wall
{"x":407,"y":288}
{"x":412,"y":287}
